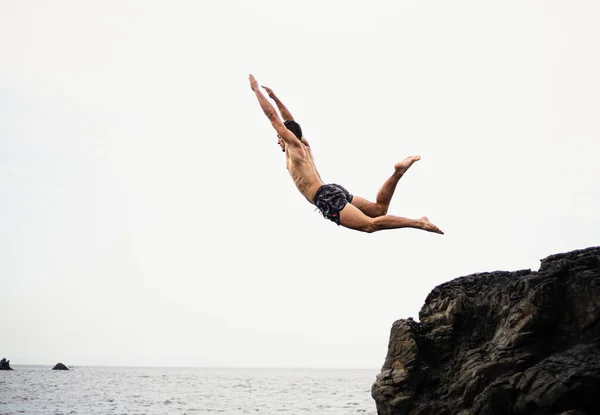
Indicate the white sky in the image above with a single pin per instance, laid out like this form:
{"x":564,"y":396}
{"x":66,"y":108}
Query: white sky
{"x":146,"y":215}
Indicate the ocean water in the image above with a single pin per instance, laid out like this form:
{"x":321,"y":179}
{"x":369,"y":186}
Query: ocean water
{"x":193,"y":391}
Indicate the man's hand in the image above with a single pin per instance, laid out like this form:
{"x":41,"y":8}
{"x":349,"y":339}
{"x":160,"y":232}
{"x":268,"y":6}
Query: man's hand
{"x":285,"y":113}
{"x":270,"y":92}
{"x":253,"y":83}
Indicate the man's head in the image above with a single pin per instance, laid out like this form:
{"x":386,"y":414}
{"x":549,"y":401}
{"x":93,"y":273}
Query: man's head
{"x":294,"y":127}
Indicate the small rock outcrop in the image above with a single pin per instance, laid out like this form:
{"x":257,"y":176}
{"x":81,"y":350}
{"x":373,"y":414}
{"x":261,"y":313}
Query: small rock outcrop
{"x":5,"y":364}
{"x":501,"y":343}
{"x":60,"y":366}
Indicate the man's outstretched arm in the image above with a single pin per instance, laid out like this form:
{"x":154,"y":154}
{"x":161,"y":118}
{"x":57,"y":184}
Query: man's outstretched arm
{"x":286,"y":135}
{"x":285,"y":113}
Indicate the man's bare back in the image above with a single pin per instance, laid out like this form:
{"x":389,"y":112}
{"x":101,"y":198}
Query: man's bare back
{"x":334,"y":201}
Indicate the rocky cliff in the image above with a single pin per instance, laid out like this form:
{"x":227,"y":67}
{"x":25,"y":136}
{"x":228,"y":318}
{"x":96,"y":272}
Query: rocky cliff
{"x":501,"y":343}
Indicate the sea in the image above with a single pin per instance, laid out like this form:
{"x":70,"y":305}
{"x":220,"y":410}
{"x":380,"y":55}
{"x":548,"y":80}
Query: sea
{"x":192,"y":391}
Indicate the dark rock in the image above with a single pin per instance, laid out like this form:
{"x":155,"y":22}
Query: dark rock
{"x":501,"y":343}
{"x":5,"y":364}
{"x":60,"y":366}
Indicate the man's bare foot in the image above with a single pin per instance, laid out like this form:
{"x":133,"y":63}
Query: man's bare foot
{"x":429,"y":227}
{"x":406,"y":163}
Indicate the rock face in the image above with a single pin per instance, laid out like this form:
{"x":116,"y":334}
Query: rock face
{"x":501,"y":343}
{"x":60,"y":366}
{"x":5,"y":364}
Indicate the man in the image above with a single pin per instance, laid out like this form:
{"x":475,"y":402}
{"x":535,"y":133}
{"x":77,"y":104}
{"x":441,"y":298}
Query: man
{"x":334,"y":202}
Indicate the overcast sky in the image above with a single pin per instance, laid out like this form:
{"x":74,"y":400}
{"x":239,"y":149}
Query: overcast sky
{"x":146,"y":215}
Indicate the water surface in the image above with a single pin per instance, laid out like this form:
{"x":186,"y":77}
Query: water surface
{"x":129,"y":391}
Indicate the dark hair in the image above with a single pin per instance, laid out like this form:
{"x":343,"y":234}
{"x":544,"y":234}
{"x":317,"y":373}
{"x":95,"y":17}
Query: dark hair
{"x":294,"y":127}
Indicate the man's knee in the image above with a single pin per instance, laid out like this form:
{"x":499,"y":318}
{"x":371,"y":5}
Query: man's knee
{"x":370,"y":226}
{"x":377,"y":224}
{"x":381,"y":210}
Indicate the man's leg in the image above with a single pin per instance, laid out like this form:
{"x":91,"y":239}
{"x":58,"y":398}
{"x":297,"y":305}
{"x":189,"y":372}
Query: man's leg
{"x":384,"y":196}
{"x":351,"y":217}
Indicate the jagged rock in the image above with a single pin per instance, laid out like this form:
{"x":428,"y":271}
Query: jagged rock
{"x":60,"y":366}
{"x":5,"y":364}
{"x":501,"y":343}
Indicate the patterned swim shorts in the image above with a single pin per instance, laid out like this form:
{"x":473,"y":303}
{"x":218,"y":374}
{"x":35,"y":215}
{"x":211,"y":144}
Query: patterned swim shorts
{"x":330,"y":199}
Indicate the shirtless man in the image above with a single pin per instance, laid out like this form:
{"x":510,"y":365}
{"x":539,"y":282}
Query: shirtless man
{"x":334,"y":202}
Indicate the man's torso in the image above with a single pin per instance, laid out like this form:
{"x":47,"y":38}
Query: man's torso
{"x":301,"y":167}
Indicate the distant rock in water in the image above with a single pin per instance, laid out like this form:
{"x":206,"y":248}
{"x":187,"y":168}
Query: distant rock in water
{"x":501,"y":343}
{"x":5,"y":364}
{"x":60,"y":366}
